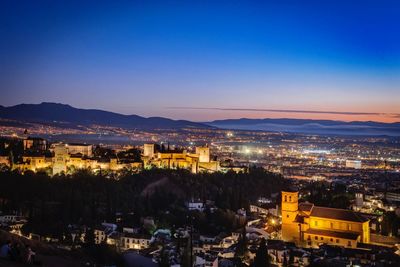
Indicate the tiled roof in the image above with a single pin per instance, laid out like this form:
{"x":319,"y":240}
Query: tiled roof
{"x":305,"y":206}
{"x":137,"y":236}
{"x":337,"y":214}
{"x":344,"y":235}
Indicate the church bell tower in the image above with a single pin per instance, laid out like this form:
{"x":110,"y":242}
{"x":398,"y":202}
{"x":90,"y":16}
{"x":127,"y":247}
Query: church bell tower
{"x":290,"y":207}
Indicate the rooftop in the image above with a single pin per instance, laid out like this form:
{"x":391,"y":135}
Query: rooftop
{"x":305,"y":206}
{"x":337,"y":214}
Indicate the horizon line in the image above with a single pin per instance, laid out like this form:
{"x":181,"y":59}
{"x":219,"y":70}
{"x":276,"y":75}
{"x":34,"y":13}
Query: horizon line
{"x":353,"y":113}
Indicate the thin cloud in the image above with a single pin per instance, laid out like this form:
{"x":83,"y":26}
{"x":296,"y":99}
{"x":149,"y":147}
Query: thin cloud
{"x":292,"y":111}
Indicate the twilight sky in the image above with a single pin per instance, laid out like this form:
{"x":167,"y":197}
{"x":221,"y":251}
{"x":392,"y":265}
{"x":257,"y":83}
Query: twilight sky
{"x":203,"y":60}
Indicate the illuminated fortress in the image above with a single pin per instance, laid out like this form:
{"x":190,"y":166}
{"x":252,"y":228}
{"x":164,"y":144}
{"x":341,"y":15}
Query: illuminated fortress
{"x":175,"y":159}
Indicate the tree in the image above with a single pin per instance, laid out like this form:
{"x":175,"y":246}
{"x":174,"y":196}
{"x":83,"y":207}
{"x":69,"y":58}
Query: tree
{"x":341,"y":201}
{"x":291,"y":257}
{"x":390,"y":224}
{"x":285,"y":260}
{"x":89,"y":236}
{"x":186,"y":256}
{"x":164,"y":259}
{"x":241,"y":247}
{"x":262,"y":258}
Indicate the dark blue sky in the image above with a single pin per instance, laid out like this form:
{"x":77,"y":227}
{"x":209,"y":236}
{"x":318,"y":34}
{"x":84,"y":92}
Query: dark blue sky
{"x":150,"y":58}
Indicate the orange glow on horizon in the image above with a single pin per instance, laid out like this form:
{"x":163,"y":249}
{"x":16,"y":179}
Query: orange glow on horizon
{"x":210,"y":115}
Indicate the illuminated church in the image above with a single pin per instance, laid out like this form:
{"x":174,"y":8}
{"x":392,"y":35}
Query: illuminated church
{"x":309,"y":225}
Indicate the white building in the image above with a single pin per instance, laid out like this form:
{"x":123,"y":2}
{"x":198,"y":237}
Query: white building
{"x":102,"y":232}
{"x":195,"y":206}
{"x":11,"y":218}
{"x":355,"y":164}
{"x":359,"y":200}
{"x":135,"y":241}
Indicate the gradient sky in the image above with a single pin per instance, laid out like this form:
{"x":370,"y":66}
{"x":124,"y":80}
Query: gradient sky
{"x":232,"y":59}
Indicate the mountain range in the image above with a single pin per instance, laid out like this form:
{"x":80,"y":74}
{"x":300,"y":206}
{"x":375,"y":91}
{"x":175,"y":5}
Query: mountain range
{"x":311,"y":126}
{"x":68,"y":116}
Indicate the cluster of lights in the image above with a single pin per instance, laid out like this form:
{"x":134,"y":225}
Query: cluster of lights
{"x":249,"y":151}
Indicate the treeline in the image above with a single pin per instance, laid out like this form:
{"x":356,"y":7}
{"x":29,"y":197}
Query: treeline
{"x":328,"y":195}
{"x":51,"y":203}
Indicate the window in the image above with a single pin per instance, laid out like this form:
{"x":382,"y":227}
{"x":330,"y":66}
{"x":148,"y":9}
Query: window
{"x":331,"y":225}
{"x":316,"y":223}
{"x":285,"y":198}
{"x":349,"y":243}
{"x":290,"y":198}
{"x":337,"y":240}
{"x":316,"y":237}
{"x":322,"y":238}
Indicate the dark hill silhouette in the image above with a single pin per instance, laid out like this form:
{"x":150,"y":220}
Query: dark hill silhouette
{"x":61,"y":113}
{"x":311,"y":126}
{"x":68,"y":116}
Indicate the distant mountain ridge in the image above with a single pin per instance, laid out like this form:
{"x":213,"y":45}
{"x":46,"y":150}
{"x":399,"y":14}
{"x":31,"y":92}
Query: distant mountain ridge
{"x":68,"y":116}
{"x":61,"y":113}
{"x":311,"y":126}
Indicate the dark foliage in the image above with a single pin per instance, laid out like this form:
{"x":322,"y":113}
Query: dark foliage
{"x":262,"y":259}
{"x":86,"y":199}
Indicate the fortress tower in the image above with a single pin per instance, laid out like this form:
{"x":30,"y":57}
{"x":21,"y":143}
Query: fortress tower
{"x":148,"y":150}
{"x":204,"y":153}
